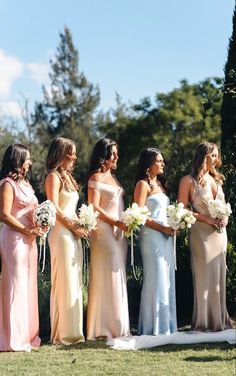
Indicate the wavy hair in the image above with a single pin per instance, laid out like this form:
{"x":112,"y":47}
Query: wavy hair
{"x":203,"y":150}
{"x":59,"y":149}
{"x":13,"y":160}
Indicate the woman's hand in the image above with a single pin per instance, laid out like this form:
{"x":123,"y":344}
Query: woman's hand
{"x":36,"y":231}
{"x":80,"y":232}
{"x":210,"y":221}
{"x":121,"y":225}
{"x":169,"y":231}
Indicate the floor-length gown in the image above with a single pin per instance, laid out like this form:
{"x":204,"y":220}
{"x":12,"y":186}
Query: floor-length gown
{"x":107,"y":301}
{"x":158,"y":305}
{"x":19,"y":320}
{"x":66,"y":303}
{"x":208,"y":251}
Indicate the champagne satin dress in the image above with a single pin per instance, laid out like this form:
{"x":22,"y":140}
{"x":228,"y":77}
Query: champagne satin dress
{"x":66,"y":306}
{"x":208,"y":250}
{"x":19,"y":317}
{"x":108,"y":314}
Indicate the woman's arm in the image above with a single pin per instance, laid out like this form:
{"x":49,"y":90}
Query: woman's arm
{"x":185,"y":189}
{"x":52,"y":188}
{"x":94,"y":198}
{"x":140,"y":195}
{"x":6,"y":201}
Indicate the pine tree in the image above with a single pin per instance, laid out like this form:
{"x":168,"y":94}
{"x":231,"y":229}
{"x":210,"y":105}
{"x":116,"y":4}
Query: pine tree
{"x":68,"y":106}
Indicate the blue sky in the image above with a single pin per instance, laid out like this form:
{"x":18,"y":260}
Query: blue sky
{"x":134,"y":47}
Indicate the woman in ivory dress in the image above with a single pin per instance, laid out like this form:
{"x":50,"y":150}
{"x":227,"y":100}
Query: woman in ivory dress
{"x":19,"y":318}
{"x":66,"y":307}
{"x":208,"y":244}
{"x":157,"y":313}
{"x":107,"y":300}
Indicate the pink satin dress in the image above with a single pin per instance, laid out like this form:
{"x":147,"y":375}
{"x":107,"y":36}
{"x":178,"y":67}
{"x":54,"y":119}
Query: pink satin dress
{"x":108,"y":314}
{"x":19,"y":319}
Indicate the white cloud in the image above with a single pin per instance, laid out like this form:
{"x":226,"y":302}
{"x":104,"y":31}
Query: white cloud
{"x":38,"y":72}
{"x":11,"y":69}
{"x":10,"y":109}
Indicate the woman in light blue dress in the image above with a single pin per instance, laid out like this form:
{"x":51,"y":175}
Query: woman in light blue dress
{"x":157,"y":313}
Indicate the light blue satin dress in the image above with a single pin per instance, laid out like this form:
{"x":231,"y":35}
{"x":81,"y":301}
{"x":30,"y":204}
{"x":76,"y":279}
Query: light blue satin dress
{"x":157,"y":313}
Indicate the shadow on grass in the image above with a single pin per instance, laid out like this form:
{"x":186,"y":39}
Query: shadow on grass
{"x":208,"y":359}
{"x":224,"y":346}
{"x":99,"y":344}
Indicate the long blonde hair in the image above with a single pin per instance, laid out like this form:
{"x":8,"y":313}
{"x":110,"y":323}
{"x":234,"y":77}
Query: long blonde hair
{"x":59,"y":149}
{"x":202,"y":151}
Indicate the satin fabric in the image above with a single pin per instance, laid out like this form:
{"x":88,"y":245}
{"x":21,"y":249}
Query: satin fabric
{"x":158,"y":304}
{"x":208,"y":251}
{"x":66,"y":305}
{"x":19,"y":319}
{"x":107,"y":300}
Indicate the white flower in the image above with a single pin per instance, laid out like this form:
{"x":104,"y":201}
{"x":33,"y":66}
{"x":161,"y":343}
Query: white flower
{"x":88,"y":217}
{"x":45,"y":214}
{"x":219,"y":209}
{"x":178,"y":217}
{"x":134,"y":217}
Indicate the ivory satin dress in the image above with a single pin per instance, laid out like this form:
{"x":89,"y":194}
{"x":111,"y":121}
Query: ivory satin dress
{"x":66,"y":306}
{"x":19,"y":317}
{"x":108,"y":314}
{"x":208,"y":253}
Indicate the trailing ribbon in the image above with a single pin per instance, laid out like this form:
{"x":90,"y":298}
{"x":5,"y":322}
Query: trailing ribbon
{"x":175,"y":259}
{"x":42,"y":247}
{"x":132,"y":254}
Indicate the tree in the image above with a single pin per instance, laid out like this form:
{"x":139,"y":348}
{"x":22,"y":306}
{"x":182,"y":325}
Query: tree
{"x":68,"y":107}
{"x":228,"y":124}
{"x":228,"y":110}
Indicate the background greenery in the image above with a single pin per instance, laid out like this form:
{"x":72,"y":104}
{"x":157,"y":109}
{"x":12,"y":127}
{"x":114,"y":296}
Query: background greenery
{"x":174,"y":122}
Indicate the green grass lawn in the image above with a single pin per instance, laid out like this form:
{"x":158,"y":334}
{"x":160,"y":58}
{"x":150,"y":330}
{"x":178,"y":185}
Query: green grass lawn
{"x":95,"y":358}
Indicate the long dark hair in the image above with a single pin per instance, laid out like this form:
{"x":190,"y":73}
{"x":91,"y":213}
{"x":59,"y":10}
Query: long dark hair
{"x":13,"y":160}
{"x":202,"y":151}
{"x":146,"y":159}
{"x":102,"y":152}
{"x":59,"y":149}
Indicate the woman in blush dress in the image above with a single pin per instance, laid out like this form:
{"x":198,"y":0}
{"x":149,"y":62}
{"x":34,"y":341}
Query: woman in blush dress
{"x":208,"y":244}
{"x":19,"y":320}
{"x":158,"y":305}
{"x":108,"y":315}
{"x":66,"y":306}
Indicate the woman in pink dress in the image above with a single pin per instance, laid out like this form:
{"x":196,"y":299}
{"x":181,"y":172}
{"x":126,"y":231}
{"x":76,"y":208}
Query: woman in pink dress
{"x":19,"y":322}
{"x":108,"y":314}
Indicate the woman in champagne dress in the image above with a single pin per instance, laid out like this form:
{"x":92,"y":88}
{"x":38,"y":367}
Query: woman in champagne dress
{"x":208,"y":240}
{"x":66,"y":306}
{"x":107,"y":315}
{"x":19,"y":318}
{"x":157,"y":313}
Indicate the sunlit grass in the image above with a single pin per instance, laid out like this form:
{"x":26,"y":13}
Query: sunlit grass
{"x":95,"y":358}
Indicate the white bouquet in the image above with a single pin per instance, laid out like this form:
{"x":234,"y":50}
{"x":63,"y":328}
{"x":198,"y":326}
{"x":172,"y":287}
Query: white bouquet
{"x":88,"y":217}
{"x":134,"y":217}
{"x":219,"y":209}
{"x":44,"y":216}
{"x":178,"y":217}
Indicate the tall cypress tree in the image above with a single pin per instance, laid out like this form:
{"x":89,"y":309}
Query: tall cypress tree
{"x":228,"y":124}
{"x":68,"y":106}
{"x":228,"y":110}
